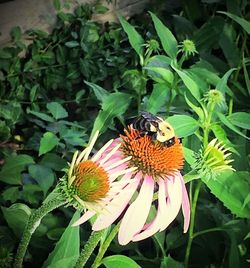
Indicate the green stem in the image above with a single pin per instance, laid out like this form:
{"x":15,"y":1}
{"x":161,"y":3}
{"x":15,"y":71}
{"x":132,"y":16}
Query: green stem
{"x":216,"y":229}
{"x":192,"y":220}
{"x":105,"y":246}
{"x":89,"y":247}
{"x":33,"y":222}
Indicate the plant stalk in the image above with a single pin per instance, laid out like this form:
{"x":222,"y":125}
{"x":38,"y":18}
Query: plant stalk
{"x":33,"y":222}
{"x":89,"y":247}
{"x":105,"y":246}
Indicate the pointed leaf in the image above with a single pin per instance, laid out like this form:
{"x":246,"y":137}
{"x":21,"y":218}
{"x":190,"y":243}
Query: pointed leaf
{"x":66,"y":251}
{"x":222,"y":85}
{"x":232,"y":188}
{"x":183,"y":125}
{"x":240,"y":119}
{"x":135,"y":39}
{"x":99,"y":92}
{"x":48,"y":142}
{"x":11,"y":171}
{"x":57,"y":110}
{"x":168,"y":40}
{"x":242,"y":22}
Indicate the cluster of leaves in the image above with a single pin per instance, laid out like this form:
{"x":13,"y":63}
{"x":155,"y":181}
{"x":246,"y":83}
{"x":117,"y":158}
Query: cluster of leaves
{"x":77,"y":79}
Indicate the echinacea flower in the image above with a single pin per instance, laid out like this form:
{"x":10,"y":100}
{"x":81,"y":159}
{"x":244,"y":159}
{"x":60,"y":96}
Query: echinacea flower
{"x":157,"y":174}
{"x":213,"y":160}
{"x":92,"y":183}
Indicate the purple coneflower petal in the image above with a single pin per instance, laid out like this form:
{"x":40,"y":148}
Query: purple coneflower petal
{"x":154,"y":226}
{"x":185,"y":205}
{"x":174,"y":200}
{"x":136,"y":215}
{"x":86,"y":216}
{"x":115,"y":207}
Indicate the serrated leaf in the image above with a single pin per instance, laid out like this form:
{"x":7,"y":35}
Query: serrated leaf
{"x":157,"y":98}
{"x":135,"y":39}
{"x":11,"y":171}
{"x":232,"y":188}
{"x":240,"y":119}
{"x":113,"y":105}
{"x":242,"y":22}
{"x":183,"y":125}
{"x":44,"y":176}
{"x":57,"y":110}
{"x":168,"y":40}
{"x":48,"y":142}
{"x":16,"y":216}
{"x":66,"y":251}
{"x":227,"y":123}
{"x":120,"y":261}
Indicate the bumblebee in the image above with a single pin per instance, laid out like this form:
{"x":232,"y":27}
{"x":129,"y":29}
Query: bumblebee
{"x":156,"y":127}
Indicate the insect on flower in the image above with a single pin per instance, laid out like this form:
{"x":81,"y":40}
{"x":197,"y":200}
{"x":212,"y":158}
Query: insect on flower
{"x":156,"y":127}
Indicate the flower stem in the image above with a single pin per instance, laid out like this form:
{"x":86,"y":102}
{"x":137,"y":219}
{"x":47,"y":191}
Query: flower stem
{"x":192,"y":220}
{"x":105,"y":246}
{"x":89,"y":248}
{"x":33,"y":222}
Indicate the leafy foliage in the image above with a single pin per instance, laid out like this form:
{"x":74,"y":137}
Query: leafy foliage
{"x":58,"y":89}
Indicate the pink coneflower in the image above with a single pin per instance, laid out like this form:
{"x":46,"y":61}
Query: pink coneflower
{"x":93,"y":183}
{"x":157,"y":174}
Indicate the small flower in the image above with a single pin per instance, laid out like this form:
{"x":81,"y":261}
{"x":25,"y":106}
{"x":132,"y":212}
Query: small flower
{"x":152,"y":46}
{"x":157,"y":173}
{"x":214,"y":160}
{"x":188,"y":48}
{"x":99,"y":184}
{"x":215,"y":97}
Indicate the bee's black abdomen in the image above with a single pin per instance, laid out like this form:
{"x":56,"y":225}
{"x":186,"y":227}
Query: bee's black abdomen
{"x":170,"y":142}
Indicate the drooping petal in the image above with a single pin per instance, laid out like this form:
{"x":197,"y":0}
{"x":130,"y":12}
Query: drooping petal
{"x":136,"y":215}
{"x":116,"y":206}
{"x":86,"y":216}
{"x":185,"y":205}
{"x":155,"y":225}
{"x":174,"y":200}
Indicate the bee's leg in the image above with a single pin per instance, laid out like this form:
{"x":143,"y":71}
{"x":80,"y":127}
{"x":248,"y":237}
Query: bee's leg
{"x":142,"y":134}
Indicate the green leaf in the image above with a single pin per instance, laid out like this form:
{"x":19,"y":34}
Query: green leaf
{"x":168,"y":40}
{"x":222,"y":85}
{"x":157,"y":98}
{"x":183,"y":125}
{"x":44,"y":176}
{"x":57,"y":4}
{"x":195,"y":108}
{"x":16,"y":216}
{"x":168,"y":262}
{"x":246,"y":75}
{"x":53,"y":161}
{"x":11,"y":171}
{"x":11,"y":194}
{"x":66,"y":251}
{"x":189,"y":155}
{"x":135,"y":39}
{"x":120,"y":261}
{"x":221,"y":135}
{"x":42,"y":116}
{"x":113,"y":105}
{"x":99,"y":92}
{"x":189,"y":83}
{"x":72,"y":44}
{"x":240,"y":119}
{"x":227,"y":123}
{"x":232,"y":188}
{"x":165,"y":73}
{"x":48,"y":142}
{"x":57,"y":110}
{"x":242,"y":22}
